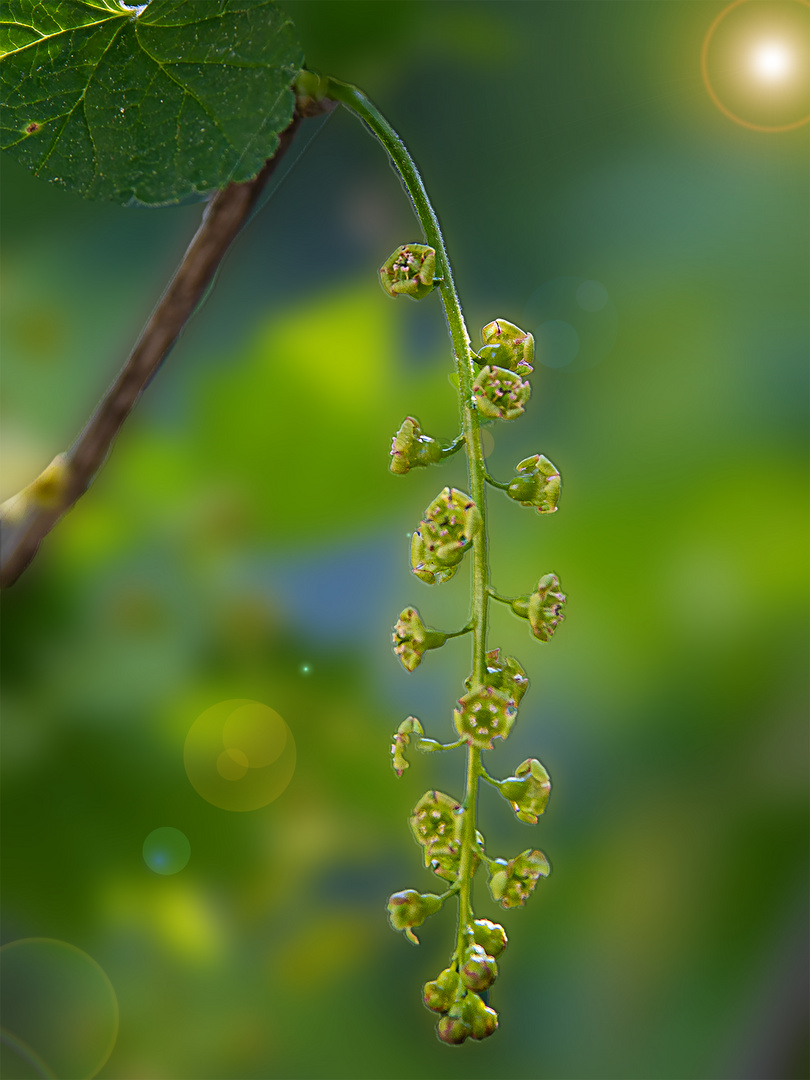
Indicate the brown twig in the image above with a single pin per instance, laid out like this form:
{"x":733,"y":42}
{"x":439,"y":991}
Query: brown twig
{"x":28,"y":517}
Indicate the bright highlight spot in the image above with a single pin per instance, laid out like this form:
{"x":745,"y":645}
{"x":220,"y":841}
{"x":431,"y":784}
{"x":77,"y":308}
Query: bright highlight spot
{"x":240,"y":754}
{"x":60,"y":1012}
{"x":166,"y":850}
{"x":305,"y":669}
{"x":772,"y":61}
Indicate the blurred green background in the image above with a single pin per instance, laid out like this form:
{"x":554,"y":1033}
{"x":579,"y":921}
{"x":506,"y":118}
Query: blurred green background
{"x":246,"y":540}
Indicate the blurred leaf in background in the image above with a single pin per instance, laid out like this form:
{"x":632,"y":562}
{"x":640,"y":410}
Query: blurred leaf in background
{"x":590,"y":190}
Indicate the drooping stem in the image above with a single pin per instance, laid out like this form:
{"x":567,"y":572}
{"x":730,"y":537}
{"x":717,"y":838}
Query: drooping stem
{"x":358,"y":103}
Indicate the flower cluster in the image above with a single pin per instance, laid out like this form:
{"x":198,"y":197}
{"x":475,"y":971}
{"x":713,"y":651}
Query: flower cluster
{"x":444,"y":827}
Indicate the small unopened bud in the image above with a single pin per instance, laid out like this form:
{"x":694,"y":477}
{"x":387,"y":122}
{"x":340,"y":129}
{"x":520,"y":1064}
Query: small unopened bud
{"x":479,"y":970}
{"x":483,"y":1021}
{"x":409,"y":908}
{"x":413,"y":449}
{"x":528,"y":790}
{"x":402,"y":738}
{"x":412,"y":638}
{"x":490,"y":936}
{"x":409,"y":271}
{"x":453,"y":1028}
{"x":483,"y":715}
{"x":537,"y":484}
{"x":543,"y":608}
{"x":500,"y":394}
{"x":507,"y":346}
{"x":440,"y":993}
{"x":514,"y":882}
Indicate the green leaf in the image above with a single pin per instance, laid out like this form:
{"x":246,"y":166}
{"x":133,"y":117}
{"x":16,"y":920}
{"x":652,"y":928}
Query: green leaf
{"x":149,"y":104}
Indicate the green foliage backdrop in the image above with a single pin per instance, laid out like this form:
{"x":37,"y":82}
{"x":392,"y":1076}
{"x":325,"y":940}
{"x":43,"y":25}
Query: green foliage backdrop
{"x":222,"y":553}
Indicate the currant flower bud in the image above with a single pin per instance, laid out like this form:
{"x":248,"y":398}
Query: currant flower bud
{"x":490,"y":936}
{"x":507,"y":346}
{"x":483,"y":715}
{"x":436,"y":824}
{"x":500,"y":394}
{"x":538,"y":484}
{"x":528,"y":790}
{"x":440,"y":993}
{"x":513,"y":882}
{"x":505,"y":675}
{"x":543,"y":607}
{"x":483,"y":1021}
{"x":412,"y":638}
{"x":402,"y":738}
{"x":444,"y":535}
{"x":409,"y":271}
{"x":454,"y":1028}
{"x":479,"y":970}
{"x":413,"y":449}
{"x":409,"y":908}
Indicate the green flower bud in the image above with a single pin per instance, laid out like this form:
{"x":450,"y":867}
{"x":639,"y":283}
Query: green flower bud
{"x":513,"y":882}
{"x":454,"y":1028}
{"x":528,"y":790}
{"x":500,"y":394}
{"x":444,"y":535}
{"x":440,"y":994}
{"x":479,"y":970}
{"x":505,"y":675}
{"x":409,"y":908}
{"x":412,"y":638}
{"x":402,"y":738}
{"x":538,"y":484}
{"x":543,"y":607}
{"x":490,"y":936}
{"x":409,"y":271}
{"x":413,"y":449}
{"x":510,"y":346}
{"x":483,"y":1021}
{"x":483,"y":715}
{"x":436,"y":824}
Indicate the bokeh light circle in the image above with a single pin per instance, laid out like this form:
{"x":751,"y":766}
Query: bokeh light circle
{"x":166,"y":850}
{"x":574,"y":322}
{"x":59,"y":1011}
{"x":753,"y":50}
{"x":239,"y":755}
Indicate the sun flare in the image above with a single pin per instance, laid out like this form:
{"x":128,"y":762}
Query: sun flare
{"x":772,"y":61}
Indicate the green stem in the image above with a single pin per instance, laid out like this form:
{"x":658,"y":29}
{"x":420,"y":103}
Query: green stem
{"x":358,"y":103}
{"x":502,"y":599}
{"x":454,"y":447}
{"x":495,"y":483}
